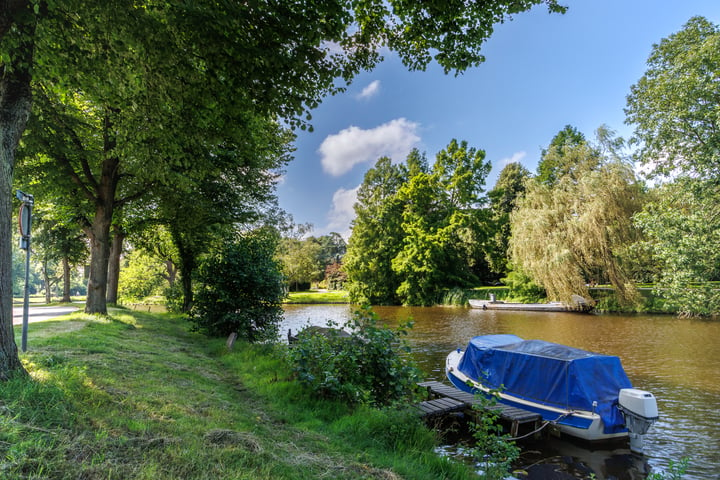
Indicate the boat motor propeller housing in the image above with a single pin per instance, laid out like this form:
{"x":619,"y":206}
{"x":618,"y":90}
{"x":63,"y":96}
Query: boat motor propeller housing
{"x":640,"y":411}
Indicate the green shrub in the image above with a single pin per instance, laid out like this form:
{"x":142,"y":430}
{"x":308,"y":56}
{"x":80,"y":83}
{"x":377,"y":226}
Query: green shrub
{"x":371,"y":366}
{"x":241,"y":289}
{"x":522,"y":288}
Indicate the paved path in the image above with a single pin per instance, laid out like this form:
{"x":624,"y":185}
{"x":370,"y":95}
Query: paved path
{"x":38,"y":314}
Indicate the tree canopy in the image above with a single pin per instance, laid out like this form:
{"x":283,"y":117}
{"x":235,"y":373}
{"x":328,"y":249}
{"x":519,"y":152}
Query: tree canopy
{"x":150,"y":84}
{"x":682,"y":228}
{"x":675,"y":109}
{"x":423,"y":225}
{"x":675,"y":106}
{"x":508,"y":189}
{"x":565,"y":235}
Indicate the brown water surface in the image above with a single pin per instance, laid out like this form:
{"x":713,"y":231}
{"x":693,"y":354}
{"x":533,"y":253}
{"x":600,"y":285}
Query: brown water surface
{"x":677,"y":359}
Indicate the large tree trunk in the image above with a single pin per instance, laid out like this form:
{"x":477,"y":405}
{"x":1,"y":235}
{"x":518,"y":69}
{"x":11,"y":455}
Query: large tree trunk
{"x":66,"y":280}
{"x":99,"y":235}
{"x":99,"y":256}
{"x":114,"y":264}
{"x":99,"y":231}
{"x":15,"y":104}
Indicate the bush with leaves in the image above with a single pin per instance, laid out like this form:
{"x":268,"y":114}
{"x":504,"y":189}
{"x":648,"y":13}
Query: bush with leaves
{"x":522,"y":288}
{"x":241,"y":289}
{"x":372,"y":366}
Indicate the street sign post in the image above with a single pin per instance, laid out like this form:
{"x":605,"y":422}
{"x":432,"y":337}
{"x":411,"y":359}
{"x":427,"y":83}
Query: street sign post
{"x":25,"y":223}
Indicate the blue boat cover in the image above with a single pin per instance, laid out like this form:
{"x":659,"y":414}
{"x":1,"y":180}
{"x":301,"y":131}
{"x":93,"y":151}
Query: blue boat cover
{"x":549,"y":374}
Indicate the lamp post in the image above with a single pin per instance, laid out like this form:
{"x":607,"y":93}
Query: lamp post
{"x":24,"y":222}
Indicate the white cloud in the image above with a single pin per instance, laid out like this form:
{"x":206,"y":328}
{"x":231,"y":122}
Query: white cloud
{"x":342,"y":151}
{"x":342,"y":212}
{"x":370,"y":91}
{"x":516,"y":157}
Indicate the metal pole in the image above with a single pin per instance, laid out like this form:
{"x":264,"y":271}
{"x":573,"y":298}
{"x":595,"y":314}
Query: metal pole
{"x":25,"y":222}
{"x":26,"y":302}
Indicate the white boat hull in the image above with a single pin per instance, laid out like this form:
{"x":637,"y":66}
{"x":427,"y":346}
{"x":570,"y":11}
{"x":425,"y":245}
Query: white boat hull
{"x":528,"y":307}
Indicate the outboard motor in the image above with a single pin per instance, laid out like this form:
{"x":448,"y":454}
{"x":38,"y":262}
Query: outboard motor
{"x":640,"y":411}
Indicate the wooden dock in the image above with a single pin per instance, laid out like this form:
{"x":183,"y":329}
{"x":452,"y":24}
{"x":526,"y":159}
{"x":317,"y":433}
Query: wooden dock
{"x":446,"y":399}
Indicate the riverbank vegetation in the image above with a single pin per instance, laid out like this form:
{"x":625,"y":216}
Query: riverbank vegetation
{"x":137,"y":396}
{"x":424,"y":233}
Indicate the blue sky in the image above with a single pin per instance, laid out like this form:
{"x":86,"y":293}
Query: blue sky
{"x":542,"y":72}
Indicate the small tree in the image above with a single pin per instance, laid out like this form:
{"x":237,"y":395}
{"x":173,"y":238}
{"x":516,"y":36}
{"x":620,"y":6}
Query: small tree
{"x":240,"y":289}
{"x":335,"y":276}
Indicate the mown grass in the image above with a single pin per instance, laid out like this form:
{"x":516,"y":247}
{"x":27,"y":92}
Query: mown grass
{"x":317,"y":296}
{"x":137,"y":396}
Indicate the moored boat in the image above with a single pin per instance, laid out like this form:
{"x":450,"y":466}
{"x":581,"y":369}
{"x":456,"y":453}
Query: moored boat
{"x":584,"y":394}
{"x":579,"y":304}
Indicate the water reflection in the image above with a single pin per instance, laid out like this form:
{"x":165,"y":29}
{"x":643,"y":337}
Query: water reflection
{"x":676,"y":359}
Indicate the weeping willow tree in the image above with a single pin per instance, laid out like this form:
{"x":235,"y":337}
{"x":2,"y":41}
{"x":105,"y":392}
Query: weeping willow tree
{"x":579,"y":229}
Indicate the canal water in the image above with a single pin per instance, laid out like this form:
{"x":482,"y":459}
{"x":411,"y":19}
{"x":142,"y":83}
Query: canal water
{"x":677,"y":359}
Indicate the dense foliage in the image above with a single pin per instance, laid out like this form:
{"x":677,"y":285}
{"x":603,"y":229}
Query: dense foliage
{"x":674,"y":107}
{"x":423,"y":225}
{"x":675,"y":110}
{"x":312,"y":259}
{"x":682,"y":227}
{"x":578,"y":229}
{"x":240,"y":288}
{"x":141,"y":276}
{"x":372,"y":366}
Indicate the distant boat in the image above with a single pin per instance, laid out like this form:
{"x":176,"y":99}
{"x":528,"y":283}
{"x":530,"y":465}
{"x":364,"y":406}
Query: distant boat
{"x":579,"y":305}
{"x":585,"y":395}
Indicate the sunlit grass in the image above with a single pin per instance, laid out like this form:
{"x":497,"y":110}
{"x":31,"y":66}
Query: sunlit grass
{"x":318,"y":296}
{"x":136,"y":395}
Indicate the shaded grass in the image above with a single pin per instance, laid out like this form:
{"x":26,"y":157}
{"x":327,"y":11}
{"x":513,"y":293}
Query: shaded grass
{"x":136,"y":395}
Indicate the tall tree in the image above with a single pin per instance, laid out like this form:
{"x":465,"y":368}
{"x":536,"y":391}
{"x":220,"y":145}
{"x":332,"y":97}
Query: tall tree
{"x":376,"y":235}
{"x":675,"y":106}
{"x":565,"y":235}
{"x":301,"y":261}
{"x":17,"y":29}
{"x":445,"y":228}
{"x":554,"y":162}
{"x":158,"y":71}
{"x":333,"y":248}
{"x":510,"y":186}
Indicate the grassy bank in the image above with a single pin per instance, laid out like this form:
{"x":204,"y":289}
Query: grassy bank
{"x":318,"y":296}
{"x":136,"y":396}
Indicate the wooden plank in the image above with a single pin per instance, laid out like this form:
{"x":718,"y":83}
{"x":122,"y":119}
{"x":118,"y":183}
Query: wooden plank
{"x":506,"y":412}
{"x":439,"y":406}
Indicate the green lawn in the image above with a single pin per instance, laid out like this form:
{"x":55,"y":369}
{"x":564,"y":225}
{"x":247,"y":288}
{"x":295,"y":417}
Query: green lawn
{"x":318,"y":296}
{"x":138,"y":396}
